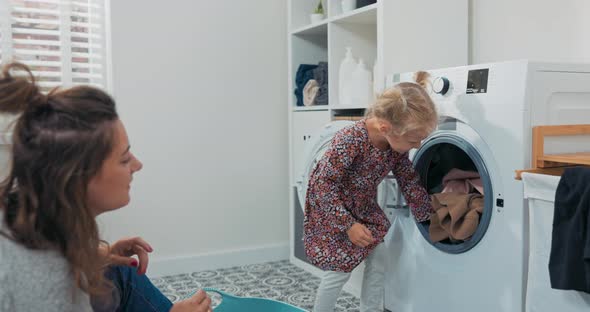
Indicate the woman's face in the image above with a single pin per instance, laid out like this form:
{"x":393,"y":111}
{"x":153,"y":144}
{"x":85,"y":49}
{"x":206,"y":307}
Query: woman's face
{"x":109,"y":188}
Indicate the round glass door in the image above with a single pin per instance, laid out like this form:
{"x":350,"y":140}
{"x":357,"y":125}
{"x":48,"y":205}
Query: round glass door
{"x":438,"y":156}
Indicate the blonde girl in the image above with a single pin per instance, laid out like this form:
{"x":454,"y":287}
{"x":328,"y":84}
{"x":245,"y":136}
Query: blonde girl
{"x":343,"y":223}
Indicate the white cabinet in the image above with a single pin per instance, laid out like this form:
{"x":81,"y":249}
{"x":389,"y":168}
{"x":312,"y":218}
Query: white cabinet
{"x":400,"y":35}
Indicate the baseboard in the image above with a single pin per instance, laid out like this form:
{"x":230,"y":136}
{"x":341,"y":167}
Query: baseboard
{"x":217,"y":260}
{"x":353,"y":286}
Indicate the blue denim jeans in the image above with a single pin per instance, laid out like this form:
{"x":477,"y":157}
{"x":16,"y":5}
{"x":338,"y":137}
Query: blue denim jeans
{"x":131,"y":293}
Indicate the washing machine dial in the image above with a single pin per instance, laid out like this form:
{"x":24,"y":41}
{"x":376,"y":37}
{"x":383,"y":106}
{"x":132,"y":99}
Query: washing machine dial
{"x":441,"y":85}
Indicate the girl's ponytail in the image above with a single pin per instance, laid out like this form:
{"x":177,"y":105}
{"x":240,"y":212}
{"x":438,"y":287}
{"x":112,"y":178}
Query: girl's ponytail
{"x":422,"y":78}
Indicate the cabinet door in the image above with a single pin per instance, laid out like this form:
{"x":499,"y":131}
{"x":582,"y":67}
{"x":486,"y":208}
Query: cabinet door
{"x":306,"y":124}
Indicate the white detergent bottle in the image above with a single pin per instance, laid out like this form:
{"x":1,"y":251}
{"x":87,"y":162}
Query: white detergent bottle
{"x":347,"y":66}
{"x":378,"y":80}
{"x":362,"y":94}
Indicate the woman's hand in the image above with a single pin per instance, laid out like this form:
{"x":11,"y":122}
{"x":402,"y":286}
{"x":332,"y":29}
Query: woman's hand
{"x":122,"y":252}
{"x":199,"y":302}
{"x":360,"y":235}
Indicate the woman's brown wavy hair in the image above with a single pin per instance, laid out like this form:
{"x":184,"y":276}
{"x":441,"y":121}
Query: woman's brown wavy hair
{"x":59,"y":142}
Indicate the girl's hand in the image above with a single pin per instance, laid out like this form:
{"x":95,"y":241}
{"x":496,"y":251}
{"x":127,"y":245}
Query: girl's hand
{"x":122,"y":252}
{"x":199,"y":302}
{"x":360,"y":235}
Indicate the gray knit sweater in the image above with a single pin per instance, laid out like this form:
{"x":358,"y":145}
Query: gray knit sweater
{"x":36,"y":280}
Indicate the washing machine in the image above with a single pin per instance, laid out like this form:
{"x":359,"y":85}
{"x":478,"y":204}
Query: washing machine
{"x":487,"y":112}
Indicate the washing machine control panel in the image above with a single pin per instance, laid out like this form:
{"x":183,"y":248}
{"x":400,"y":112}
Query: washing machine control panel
{"x":440,"y":85}
{"x":477,"y":81}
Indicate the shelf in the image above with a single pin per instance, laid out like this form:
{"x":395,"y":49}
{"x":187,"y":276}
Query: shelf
{"x":320,"y":28}
{"x":571,"y":158}
{"x":348,"y":107}
{"x":366,"y":15}
{"x":310,"y":108}
{"x":554,"y":164}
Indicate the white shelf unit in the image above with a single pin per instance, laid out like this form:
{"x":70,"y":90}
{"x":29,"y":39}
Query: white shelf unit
{"x":311,"y":108}
{"x":403,"y":35}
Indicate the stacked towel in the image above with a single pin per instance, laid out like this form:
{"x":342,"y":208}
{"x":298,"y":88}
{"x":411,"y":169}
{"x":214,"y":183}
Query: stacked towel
{"x":320,"y":74}
{"x":304,"y":74}
{"x":310,"y":92}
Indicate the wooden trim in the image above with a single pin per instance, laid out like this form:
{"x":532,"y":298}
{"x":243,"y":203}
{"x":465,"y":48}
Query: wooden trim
{"x":550,"y":171}
{"x":554,"y":164}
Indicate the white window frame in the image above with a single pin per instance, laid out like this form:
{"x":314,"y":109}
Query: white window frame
{"x":65,"y":40}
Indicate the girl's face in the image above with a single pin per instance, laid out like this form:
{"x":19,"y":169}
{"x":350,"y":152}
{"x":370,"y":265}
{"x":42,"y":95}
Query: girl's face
{"x":402,"y":143}
{"x":109,"y":189}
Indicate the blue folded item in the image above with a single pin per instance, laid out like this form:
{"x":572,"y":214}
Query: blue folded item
{"x":320,"y":74}
{"x":304,"y":74}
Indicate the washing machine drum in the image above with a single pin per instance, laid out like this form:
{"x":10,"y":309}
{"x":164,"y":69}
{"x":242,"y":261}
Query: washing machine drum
{"x":313,"y":152}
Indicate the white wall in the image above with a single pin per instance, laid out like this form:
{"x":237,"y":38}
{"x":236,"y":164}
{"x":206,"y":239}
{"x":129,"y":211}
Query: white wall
{"x":533,"y":29}
{"x":201,"y":88}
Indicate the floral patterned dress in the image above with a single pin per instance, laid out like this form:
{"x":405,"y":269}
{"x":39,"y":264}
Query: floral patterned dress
{"x":342,"y":191}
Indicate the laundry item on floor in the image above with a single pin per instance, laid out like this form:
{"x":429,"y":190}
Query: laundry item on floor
{"x":460,"y":181}
{"x":231,"y":303}
{"x":310,"y":92}
{"x":456,"y":216}
{"x":569,"y":260}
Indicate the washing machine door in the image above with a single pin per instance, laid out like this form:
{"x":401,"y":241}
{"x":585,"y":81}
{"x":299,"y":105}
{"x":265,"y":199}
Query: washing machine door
{"x":314,"y":151}
{"x":456,"y":145}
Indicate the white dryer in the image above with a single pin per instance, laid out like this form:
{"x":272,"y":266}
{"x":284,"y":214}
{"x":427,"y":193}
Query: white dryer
{"x":487,"y":113}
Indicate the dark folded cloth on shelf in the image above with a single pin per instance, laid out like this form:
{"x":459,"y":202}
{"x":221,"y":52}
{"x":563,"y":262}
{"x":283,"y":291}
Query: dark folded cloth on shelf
{"x":320,"y":74}
{"x":303,"y":75}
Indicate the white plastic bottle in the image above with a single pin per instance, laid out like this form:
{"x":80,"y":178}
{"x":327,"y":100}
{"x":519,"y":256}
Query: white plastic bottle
{"x":362,"y":85}
{"x":378,"y":81}
{"x":347,"y":66}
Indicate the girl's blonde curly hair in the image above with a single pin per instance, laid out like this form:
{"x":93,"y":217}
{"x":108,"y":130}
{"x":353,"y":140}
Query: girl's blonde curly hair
{"x":407,"y":106}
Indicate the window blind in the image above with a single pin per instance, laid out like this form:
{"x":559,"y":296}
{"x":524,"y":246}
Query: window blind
{"x":62,"y":41}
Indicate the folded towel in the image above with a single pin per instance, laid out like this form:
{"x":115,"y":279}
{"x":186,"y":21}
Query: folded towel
{"x":310,"y":91}
{"x":303,"y":75}
{"x":320,"y":74}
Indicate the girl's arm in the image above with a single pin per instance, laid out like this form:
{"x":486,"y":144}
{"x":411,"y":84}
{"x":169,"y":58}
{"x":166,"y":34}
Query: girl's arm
{"x":414,"y":193}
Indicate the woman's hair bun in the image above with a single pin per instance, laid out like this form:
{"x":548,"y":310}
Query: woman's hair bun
{"x":18,"y":90}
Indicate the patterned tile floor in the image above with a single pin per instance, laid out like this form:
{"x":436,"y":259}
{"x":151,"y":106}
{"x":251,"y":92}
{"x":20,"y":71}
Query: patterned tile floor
{"x":274,"y":280}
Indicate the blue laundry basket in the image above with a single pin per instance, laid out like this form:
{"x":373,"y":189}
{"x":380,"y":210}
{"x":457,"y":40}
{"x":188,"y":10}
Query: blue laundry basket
{"x":230,"y":303}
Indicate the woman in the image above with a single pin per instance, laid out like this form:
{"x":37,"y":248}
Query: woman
{"x":71,"y":161}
